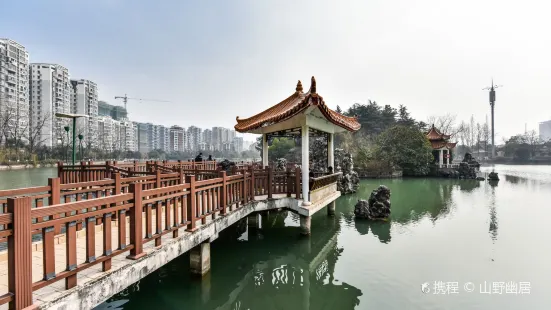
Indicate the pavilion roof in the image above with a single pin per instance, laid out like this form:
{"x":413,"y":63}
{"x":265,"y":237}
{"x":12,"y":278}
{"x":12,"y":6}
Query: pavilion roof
{"x":435,"y":135}
{"x":294,"y":105}
{"x":440,"y":144}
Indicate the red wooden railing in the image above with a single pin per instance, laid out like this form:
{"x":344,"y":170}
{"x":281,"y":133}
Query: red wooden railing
{"x":176,"y":199}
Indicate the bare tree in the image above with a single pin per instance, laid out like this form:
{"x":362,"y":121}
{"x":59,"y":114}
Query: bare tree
{"x":7,"y":114}
{"x":478,"y":135}
{"x":532,"y":139}
{"x":446,"y":124}
{"x":35,"y":135}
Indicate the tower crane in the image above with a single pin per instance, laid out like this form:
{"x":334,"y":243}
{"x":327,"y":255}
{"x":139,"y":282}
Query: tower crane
{"x":125,"y":99}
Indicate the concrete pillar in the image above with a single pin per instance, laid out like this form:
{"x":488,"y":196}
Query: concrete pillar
{"x":305,"y":222}
{"x":440,"y":158}
{"x":330,"y":151}
{"x":264,"y":150}
{"x":331,"y":208}
{"x":305,"y":166}
{"x":199,"y":259}
{"x":253,"y":221}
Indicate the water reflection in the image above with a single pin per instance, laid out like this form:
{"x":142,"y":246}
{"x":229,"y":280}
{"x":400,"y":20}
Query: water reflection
{"x":274,"y":266}
{"x":379,"y":229}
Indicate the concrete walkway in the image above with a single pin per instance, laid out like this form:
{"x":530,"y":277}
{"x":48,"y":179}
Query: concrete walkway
{"x":95,"y":286}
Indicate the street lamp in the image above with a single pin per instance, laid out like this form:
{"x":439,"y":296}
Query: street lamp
{"x":80,"y":137}
{"x":74,"y":118}
{"x":67,"y":128}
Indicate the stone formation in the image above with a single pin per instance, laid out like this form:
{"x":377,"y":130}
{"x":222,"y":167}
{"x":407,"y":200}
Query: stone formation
{"x":225,"y":165}
{"x":349,"y":181}
{"x":377,"y":207}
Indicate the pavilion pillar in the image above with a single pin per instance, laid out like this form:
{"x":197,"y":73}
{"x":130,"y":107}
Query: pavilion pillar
{"x":305,"y":165}
{"x":440,"y":158}
{"x":330,"y":151}
{"x":264,"y":150}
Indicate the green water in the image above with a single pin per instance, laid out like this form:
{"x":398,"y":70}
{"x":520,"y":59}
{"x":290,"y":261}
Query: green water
{"x":20,"y":178}
{"x":440,"y":230}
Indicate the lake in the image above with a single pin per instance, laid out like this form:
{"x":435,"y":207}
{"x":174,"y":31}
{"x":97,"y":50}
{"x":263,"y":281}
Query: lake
{"x":468,"y":244}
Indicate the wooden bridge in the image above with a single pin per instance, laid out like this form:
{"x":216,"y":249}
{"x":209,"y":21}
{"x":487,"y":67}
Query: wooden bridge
{"x":112,"y":213}
{"x":94,"y":223}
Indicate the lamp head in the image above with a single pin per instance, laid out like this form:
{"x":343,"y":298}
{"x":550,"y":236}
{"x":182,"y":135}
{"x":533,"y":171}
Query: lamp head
{"x":80,"y":137}
{"x":67,"y":128}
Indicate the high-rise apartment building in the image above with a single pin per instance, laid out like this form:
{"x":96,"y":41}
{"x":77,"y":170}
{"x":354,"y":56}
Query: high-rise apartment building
{"x":164,"y":138}
{"x":545,"y":130}
{"x":85,"y":101}
{"x":217,"y":138}
{"x":177,"y":139}
{"x":114,"y":111}
{"x":127,"y":133}
{"x":237,"y":144}
{"x":195,"y":137}
{"x":109,"y":134}
{"x":14,"y":88}
{"x":143,"y":138}
{"x":50,"y":93}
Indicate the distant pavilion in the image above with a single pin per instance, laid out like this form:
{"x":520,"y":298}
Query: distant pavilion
{"x":301,"y":114}
{"x":441,"y":147}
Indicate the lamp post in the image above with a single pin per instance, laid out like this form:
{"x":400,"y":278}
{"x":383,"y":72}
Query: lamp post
{"x":74,"y":118}
{"x":67,"y":128}
{"x":80,"y":137}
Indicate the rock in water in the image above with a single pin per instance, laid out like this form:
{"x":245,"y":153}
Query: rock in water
{"x":493,"y":176}
{"x":377,"y":207}
{"x":361,"y":209}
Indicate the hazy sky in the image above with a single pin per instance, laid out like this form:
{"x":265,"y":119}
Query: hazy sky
{"x":215,"y":60}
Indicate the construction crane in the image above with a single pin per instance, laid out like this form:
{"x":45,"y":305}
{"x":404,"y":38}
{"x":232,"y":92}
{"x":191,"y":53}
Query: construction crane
{"x":492,"y":104}
{"x":126,"y":98}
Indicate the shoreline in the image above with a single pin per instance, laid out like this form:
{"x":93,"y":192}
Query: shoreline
{"x":21,"y":167}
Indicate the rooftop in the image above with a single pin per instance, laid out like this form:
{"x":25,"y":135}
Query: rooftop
{"x":295,"y":104}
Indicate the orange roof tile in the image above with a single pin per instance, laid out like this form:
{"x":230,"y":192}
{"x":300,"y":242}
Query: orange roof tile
{"x":440,"y":144}
{"x":435,"y":134}
{"x":293,"y":105}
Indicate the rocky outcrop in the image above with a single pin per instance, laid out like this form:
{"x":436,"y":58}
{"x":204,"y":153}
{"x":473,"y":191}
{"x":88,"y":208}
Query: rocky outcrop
{"x":225,"y":165}
{"x":349,"y":181}
{"x":280,"y":164}
{"x":493,"y":176}
{"x":377,"y":207}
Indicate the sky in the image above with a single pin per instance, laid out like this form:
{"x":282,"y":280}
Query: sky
{"x":215,"y":60}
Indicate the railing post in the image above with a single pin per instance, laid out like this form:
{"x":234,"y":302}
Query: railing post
{"x":253,"y":189}
{"x":288,"y":181}
{"x":19,"y":253}
{"x":55,"y":199}
{"x":181,"y":174}
{"x":157,"y":178}
{"x":136,"y":229}
{"x":60,"y":170}
{"x":224,"y":193}
{"x":118,"y":190}
{"x":245,"y":191}
{"x":297,"y":182}
{"x":82,"y":177}
{"x":270,"y":181}
{"x":191,"y":203}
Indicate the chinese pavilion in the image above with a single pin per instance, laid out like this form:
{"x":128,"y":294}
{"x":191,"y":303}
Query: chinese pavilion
{"x":302,"y":114}
{"x":441,"y":147}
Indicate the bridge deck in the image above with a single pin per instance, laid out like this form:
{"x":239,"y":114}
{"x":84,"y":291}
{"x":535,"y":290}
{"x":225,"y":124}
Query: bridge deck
{"x":56,"y":290}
